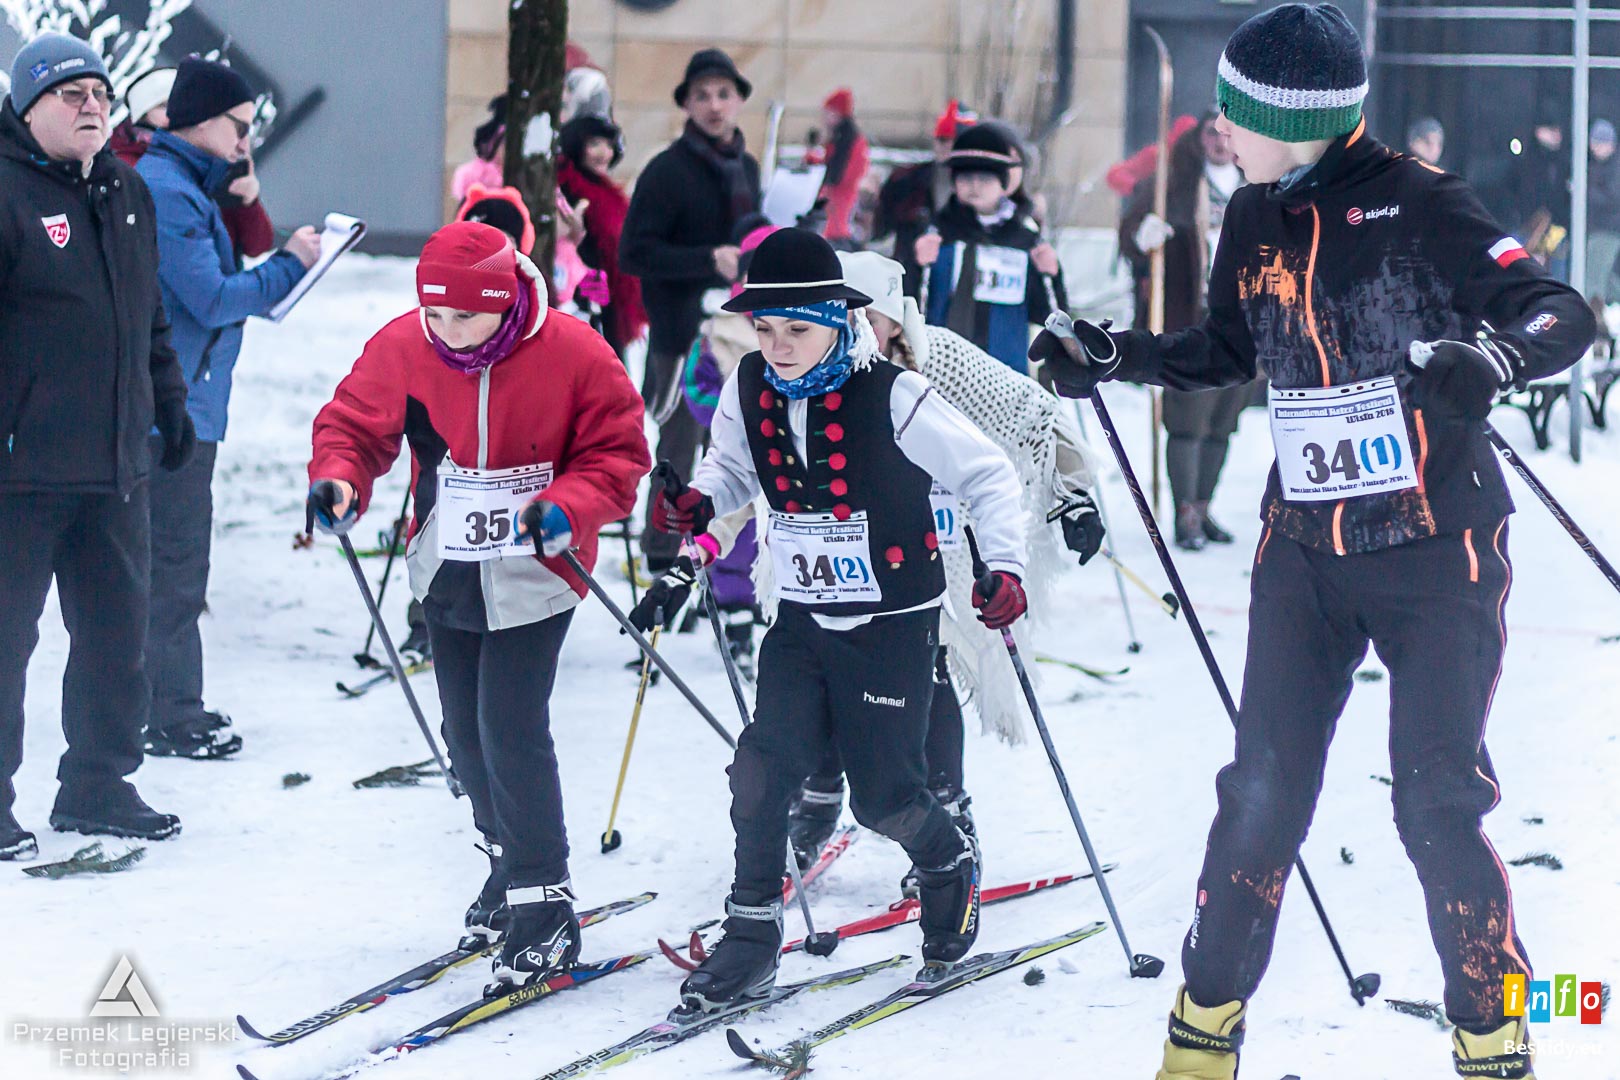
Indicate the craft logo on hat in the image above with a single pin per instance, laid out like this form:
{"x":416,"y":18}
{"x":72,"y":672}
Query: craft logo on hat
{"x":58,"y":228}
{"x":498,"y":294}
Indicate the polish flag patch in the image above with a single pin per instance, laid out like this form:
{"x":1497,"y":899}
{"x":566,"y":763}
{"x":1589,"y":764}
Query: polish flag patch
{"x":58,"y":228}
{"x":1508,"y":251}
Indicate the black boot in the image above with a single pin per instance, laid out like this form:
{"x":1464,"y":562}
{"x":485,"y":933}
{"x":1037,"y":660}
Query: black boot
{"x":1189,"y":528}
{"x":204,"y":737}
{"x":743,"y":965}
{"x":114,"y":809}
{"x":958,"y":804}
{"x":739,"y":626}
{"x":16,"y":842}
{"x":950,"y":907}
{"x":488,"y":919}
{"x":416,"y":648}
{"x":543,"y":940}
{"x":1212,"y":532}
{"x":814,"y":817}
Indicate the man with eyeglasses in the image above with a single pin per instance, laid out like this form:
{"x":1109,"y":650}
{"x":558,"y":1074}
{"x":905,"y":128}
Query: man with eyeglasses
{"x":86,"y":368}
{"x":209,"y":298}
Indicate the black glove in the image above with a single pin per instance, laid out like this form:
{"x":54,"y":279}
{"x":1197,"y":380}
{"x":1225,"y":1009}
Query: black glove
{"x":666,"y":596}
{"x":179,"y":433}
{"x":1082,"y":526}
{"x":1460,"y":381}
{"x":1075,"y":374}
{"x":320,"y":508}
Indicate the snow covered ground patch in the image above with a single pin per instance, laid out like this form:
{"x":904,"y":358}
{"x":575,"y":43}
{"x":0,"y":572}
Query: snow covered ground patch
{"x":278,"y":901}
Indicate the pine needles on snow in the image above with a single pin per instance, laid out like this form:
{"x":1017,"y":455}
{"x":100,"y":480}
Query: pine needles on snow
{"x":401,"y":775}
{"x":791,"y":1064}
{"x":87,"y":860}
{"x":1034,"y":976}
{"x":1423,"y":1010}
{"x":1539,"y":858}
{"x":295,"y":779}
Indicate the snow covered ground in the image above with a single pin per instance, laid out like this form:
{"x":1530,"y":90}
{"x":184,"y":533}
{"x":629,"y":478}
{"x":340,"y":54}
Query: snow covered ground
{"x":276,"y":902}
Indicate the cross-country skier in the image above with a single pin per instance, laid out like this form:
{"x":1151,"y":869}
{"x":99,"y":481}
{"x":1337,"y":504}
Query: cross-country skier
{"x":1386,"y":516}
{"x":845,"y":449}
{"x":520,"y":423}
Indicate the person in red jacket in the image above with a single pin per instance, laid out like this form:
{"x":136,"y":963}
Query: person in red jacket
{"x":589,"y":147}
{"x":522,"y":424}
{"x":847,"y":158}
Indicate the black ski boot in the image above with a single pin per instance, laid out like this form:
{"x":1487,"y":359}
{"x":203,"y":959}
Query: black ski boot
{"x":205,"y":737}
{"x":115,"y":809}
{"x":950,"y":907}
{"x":742,"y":965}
{"x":957,"y":803}
{"x":813,"y":817}
{"x":739,"y":626}
{"x":543,"y":940}
{"x":16,"y":842}
{"x":488,"y":919}
{"x":1212,"y":532}
{"x":1190,"y":528}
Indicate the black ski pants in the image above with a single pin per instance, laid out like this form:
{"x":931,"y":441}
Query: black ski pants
{"x":943,"y":747}
{"x":97,"y":548}
{"x":1199,"y":426}
{"x":679,"y":436}
{"x":1433,"y":610}
{"x":495,"y":692}
{"x":182,"y":532}
{"x":864,"y":691}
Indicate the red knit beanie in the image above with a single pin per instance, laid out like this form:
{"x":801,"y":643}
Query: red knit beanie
{"x":469,"y":266}
{"x":840,"y":101}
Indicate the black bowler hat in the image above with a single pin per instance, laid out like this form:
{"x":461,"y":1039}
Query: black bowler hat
{"x":711,"y":62}
{"x":793,"y":268}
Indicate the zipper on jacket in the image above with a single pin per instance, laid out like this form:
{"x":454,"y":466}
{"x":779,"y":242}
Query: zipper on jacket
{"x":483,"y":419}
{"x":1321,"y":351}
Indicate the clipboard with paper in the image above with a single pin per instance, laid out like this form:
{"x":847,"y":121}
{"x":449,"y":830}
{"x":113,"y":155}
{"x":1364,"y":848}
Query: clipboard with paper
{"x":341,"y":233}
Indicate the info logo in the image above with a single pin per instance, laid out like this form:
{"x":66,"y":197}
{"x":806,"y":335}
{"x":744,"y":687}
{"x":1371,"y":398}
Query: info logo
{"x":1539,"y":1000}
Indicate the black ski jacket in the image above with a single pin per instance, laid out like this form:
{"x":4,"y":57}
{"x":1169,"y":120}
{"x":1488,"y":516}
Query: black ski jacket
{"x":1328,"y":280}
{"x":84,"y":343}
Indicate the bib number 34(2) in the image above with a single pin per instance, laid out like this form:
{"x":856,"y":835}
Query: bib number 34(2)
{"x":821,"y":560}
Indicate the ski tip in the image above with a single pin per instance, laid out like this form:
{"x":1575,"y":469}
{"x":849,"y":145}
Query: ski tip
{"x":249,"y":1030}
{"x":242,"y":1071}
{"x":739,"y":1045}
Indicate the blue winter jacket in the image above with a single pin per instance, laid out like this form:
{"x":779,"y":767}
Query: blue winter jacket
{"x":207,"y":297}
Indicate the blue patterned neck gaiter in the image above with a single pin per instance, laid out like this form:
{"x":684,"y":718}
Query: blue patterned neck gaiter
{"x":834,"y":369}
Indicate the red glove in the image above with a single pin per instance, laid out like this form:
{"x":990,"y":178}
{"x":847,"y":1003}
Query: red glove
{"x":689,"y":512}
{"x":1004,"y":604}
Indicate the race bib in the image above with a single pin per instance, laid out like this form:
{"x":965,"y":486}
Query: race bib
{"x":478,"y":510}
{"x":821,"y":560}
{"x":947,"y":517}
{"x":1001,"y":275}
{"x":1341,"y":442}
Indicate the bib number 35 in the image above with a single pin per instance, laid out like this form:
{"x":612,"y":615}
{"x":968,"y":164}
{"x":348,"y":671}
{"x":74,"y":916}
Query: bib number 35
{"x":494,"y":527}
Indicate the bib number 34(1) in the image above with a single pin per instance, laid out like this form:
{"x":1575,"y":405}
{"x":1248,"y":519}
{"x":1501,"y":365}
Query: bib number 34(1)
{"x":1341,"y":442}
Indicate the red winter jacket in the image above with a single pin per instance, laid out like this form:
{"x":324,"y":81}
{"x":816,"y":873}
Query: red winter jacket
{"x":562,"y":397}
{"x":604,"y":222}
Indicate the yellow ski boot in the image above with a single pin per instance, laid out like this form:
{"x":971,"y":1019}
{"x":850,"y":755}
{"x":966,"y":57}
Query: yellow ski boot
{"x":1203,"y":1043}
{"x":1501,"y":1053}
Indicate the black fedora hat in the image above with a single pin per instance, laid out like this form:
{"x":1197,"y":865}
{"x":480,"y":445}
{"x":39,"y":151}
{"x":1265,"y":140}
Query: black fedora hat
{"x":711,"y":62}
{"x":793,"y":268}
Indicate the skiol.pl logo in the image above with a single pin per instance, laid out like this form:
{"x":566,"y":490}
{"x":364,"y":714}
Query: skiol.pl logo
{"x":1539,"y":1000}
{"x":1356,"y":215}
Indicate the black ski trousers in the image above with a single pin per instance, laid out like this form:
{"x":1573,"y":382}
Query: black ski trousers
{"x":98,"y":549}
{"x":1433,"y":610}
{"x":182,"y":532}
{"x":943,"y":747}
{"x":864,"y":691}
{"x":495,"y":692}
{"x":679,"y":436}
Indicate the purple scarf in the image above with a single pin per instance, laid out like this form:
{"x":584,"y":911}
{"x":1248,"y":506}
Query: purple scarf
{"x":500,"y":344}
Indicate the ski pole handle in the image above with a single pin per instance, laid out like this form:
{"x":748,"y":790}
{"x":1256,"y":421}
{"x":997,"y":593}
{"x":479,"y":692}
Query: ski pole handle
{"x":987,"y":582}
{"x":666,"y":475}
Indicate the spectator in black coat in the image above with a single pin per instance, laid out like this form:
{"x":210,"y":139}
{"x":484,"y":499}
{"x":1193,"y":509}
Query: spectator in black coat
{"x":677,"y":239}
{"x":85,"y":371}
{"x":1603,"y":212}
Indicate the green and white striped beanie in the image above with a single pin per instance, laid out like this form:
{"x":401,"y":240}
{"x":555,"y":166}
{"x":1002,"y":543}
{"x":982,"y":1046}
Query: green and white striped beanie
{"x":1295,"y":73}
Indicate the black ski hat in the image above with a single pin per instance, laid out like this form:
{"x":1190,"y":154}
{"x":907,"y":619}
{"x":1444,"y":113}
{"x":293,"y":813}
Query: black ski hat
{"x":794,"y":268}
{"x":582,"y":129}
{"x":203,"y":89}
{"x":711,"y":62}
{"x":983,"y":148}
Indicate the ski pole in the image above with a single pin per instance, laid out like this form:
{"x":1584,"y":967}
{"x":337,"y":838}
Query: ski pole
{"x":1119,"y":580}
{"x":1420,"y":354}
{"x":630,"y":562}
{"x":644,"y":645}
{"x":1553,"y":506}
{"x":393,"y":659}
{"x":1168,"y":601}
{"x":815,"y":944}
{"x":1142,"y":965}
{"x":364,"y":657}
{"x":1362,"y":987}
{"x":610,"y":836}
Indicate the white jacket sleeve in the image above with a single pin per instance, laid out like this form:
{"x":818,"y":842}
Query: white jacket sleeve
{"x":726,"y":473}
{"x":934,"y":435}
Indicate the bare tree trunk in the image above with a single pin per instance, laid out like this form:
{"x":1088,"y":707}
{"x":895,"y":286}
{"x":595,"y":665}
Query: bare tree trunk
{"x":535,"y":71}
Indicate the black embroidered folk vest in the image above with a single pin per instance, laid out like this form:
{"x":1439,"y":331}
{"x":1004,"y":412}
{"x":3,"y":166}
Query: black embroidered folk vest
{"x":855,"y":464}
